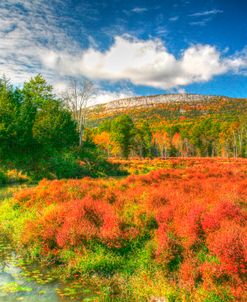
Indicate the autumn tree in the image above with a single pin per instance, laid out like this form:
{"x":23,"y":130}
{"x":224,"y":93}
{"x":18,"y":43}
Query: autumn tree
{"x":103,"y":139}
{"x":176,"y":141}
{"x":162,"y":141}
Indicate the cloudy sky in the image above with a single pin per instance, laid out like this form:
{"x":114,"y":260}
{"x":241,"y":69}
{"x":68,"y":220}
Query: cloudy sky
{"x":128,"y":47}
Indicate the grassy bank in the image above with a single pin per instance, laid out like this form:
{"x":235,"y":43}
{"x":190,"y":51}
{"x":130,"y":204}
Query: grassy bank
{"x":88,"y":161}
{"x":174,"y":233}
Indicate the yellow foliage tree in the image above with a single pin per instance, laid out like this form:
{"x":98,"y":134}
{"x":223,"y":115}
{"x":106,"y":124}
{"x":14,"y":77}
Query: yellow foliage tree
{"x":103,"y":140}
{"x":162,"y":141}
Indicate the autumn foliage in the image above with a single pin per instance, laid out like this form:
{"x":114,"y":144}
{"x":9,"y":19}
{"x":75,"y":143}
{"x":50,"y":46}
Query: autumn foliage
{"x":194,"y":216}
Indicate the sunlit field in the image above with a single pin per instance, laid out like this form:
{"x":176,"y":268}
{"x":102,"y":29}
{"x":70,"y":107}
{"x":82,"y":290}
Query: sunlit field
{"x":180,"y":229}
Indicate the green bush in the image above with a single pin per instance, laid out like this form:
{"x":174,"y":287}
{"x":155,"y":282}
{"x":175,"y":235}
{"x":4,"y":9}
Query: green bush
{"x":3,"y":178}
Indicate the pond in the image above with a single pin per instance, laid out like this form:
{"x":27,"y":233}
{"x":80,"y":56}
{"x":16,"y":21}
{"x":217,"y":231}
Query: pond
{"x":22,"y":281}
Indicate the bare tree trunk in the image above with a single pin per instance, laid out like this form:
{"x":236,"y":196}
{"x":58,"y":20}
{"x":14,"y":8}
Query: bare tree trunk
{"x":235,"y":147}
{"x":76,"y":99}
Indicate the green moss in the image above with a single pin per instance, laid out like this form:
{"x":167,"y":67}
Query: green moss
{"x":13,"y":219}
{"x":223,"y":296}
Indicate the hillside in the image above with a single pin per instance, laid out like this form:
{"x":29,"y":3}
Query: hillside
{"x":169,"y":107}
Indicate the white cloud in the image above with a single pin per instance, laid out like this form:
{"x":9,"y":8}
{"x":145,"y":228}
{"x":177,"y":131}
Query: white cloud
{"x":26,"y":28}
{"x":108,"y":96}
{"x":201,"y":22}
{"x":238,"y":61}
{"x":181,"y":91}
{"x":207,"y":13}
{"x":101,"y":96}
{"x":200,"y":63}
{"x":208,"y":16}
{"x":146,"y":63}
{"x":139,"y":10}
{"x":174,"y":19}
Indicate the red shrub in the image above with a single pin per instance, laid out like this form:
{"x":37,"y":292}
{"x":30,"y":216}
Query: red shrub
{"x":225,"y":210}
{"x":195,"y":216}
{"x":229,"y":244}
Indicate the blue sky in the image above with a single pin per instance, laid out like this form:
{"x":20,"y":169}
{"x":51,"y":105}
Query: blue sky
{"x":128,"y":47}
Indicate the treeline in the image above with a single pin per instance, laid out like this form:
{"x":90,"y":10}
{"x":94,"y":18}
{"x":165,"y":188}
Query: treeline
{"x":42,"y":136}
{"x":205,"y":136}
{"x":39,"y":136}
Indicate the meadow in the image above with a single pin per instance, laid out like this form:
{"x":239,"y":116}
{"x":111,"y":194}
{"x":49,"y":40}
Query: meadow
{"x":177,"y":230}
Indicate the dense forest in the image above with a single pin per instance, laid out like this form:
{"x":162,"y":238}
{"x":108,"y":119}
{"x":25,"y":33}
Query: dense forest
{"x":216,"y":126}
{"x":205,"y":136}
{"x":39,"y":136}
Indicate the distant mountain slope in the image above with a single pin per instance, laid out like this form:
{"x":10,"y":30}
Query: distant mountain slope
{"x":169,"y":107}
{"x":153,"y":100}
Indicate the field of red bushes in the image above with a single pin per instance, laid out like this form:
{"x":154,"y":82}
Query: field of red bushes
{"x":192,"y":216}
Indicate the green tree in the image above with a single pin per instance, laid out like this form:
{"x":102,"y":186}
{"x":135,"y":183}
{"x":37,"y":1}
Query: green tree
{"x":143,"y":140}
{"x":8,"y":112}
{"x":38,"y":91}
{"x":122,"y":134}
{"x":54,"y":127}
{"x":25,"y":118}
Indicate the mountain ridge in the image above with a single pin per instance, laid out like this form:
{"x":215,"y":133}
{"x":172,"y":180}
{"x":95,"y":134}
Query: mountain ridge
{"x":157,"y":99}
{"x":169,"y":107}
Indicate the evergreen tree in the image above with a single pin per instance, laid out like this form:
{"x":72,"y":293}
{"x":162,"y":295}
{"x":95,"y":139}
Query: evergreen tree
{"x":122,"y":134}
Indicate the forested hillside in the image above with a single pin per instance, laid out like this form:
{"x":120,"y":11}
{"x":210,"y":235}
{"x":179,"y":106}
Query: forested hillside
{"x":173,"y":125}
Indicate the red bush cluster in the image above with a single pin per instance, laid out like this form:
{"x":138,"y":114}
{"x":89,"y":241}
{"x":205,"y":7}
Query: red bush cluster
{"x":200,"y":230}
